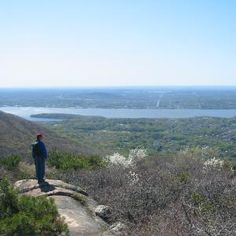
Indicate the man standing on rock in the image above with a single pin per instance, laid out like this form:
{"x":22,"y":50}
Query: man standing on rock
{"x":39,"y":153}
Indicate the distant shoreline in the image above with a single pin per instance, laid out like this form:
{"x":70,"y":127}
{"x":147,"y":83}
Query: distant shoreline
{"x":27,"y":112}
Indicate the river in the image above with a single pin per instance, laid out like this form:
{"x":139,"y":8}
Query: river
{"x":26,"y":112}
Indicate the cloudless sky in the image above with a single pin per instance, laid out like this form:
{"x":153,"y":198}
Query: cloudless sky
{"x":117,"y":42}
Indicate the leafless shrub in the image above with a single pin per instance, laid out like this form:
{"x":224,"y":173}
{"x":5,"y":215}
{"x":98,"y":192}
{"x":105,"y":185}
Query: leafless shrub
{"x":165,"y":195}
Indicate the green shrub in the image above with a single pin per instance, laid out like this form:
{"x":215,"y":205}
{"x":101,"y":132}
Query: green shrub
{"x":183,"y":177}
{"x":27,"y":215}
{"x":10,"y":162}
{"x":197,"y":198}
{"x":66,"y":161}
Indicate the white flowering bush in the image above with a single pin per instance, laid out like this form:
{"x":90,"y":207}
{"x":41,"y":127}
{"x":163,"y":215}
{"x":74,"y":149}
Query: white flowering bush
{"x":215,"y":163}
{"x":137,"y":154}
{"x":134,"y":156}
{"x":118,"y":159}
{"x":133,"y":177}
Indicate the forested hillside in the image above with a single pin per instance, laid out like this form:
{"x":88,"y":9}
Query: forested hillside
{"x":17,"y":135}
{"x":107,"y":136}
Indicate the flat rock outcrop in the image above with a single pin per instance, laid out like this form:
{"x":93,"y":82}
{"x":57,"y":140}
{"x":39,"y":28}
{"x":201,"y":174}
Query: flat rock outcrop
{"x":73,"y":203}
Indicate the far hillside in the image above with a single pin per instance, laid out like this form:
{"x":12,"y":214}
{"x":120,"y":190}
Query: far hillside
{"x":17,"y":134}
{"x":124,"y":97}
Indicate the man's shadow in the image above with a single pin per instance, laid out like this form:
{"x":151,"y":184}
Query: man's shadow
{"x":46,"y":187}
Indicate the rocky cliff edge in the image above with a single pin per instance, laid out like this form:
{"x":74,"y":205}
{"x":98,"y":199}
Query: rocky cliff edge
{"x":83,"y":215}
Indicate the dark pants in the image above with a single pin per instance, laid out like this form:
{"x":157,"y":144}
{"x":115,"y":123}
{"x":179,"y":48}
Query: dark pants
{"x":40,"y":168}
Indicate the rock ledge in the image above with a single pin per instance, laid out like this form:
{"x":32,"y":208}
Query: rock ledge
{"x":73,"y":204}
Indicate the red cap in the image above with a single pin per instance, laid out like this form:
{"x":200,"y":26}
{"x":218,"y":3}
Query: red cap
{"x":39,"y":135}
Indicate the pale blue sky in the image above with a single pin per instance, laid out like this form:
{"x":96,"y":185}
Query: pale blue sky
{"x":117,"y":42}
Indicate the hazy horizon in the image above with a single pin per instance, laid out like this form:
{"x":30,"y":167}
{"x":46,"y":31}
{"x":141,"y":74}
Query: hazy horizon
{"x":123,"y":87}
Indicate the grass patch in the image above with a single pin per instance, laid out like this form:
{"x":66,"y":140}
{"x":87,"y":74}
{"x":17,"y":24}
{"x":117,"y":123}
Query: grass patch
{"x":10,"y":162}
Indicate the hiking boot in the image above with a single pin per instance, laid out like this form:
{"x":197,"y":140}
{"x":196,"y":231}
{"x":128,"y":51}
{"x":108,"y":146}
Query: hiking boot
{"x":40,"y":181}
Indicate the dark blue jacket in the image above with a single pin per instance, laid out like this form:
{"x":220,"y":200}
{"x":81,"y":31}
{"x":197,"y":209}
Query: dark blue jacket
{"x":43,"y":150}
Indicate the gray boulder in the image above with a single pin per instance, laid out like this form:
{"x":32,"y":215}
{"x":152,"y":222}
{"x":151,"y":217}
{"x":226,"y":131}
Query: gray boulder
{"x":103,"y":211}
{"x":118,"y":228}
{"x":73,"y":204}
